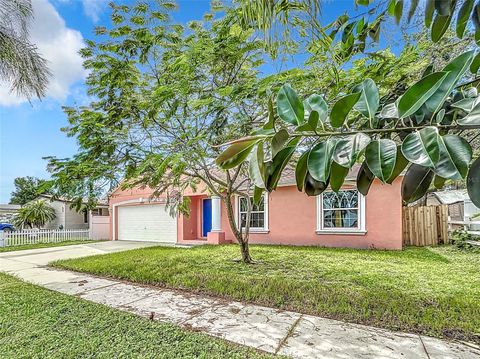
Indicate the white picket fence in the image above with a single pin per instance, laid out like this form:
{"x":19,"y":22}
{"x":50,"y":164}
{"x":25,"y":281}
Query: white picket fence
{"x":34,"y":236}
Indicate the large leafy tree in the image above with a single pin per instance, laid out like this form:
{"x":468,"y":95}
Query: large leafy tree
{"x":163,"y":95}
{"x":286,"y":21}
{"x":421,"y":131}
{"x":34,"y":214}
{"x":26,"y":189}
{"x":21,"y":66}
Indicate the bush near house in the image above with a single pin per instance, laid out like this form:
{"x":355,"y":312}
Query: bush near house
{"x":433,"y":291}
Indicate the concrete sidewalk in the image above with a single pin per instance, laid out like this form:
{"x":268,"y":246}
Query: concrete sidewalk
{"x":271,"y":330}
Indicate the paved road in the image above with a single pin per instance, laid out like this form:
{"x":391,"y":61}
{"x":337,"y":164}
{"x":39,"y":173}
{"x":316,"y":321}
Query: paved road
{"x":275,"y":331}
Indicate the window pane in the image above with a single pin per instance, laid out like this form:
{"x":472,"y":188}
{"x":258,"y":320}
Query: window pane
{"x":340,"y":218}
{"x":259,"y":207}
{"x":342,"y":199}
{"x":257,"y":220}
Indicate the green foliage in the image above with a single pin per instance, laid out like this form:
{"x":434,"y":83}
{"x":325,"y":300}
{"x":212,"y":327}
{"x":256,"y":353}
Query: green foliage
{"x":473,"y":182}
{"x":420,"y":122}
{"x":43,"y":323}
{"x":461,"y":239}
{"x":34,"y":214}
{"x":390,"y":289}
{"x":381,"y":156}
{"x":21,"y":66}
{"x":27,"y":189}
{"x":163,"y":95}
{"x":351,"y":34}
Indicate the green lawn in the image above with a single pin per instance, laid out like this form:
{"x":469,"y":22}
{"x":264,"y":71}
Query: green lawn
{"x":38,"y":323}
{"x":44,"y":245}
{"x":435,"y":291}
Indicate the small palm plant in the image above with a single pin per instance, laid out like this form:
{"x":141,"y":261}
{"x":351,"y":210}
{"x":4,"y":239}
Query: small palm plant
{"x":34,"y":214}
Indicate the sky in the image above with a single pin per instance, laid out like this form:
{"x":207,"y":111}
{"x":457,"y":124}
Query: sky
{"x":32,"y":130}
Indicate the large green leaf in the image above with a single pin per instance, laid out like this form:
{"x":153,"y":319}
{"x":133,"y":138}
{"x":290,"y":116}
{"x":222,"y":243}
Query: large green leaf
{"x":279,"y":140}
{"x":475,"y":64}
{"x":455,"y":157}
{"x":416,"y":182}
{"x":422,"y":147}
{"x":472,"y":119}
{"x":456,"y":69}
{"x":311,"y":124}
{"x":443,"y":7}
{"x":314,"y":187}
{"x":364,"y":179}
{"x":271,"y":116}
{"x":420,"y":92}
{"x":440,"y":26}
{"x":235,"y":154}
{"x":301,"y":170}
{"x":342,"y":108}
{"x":463,"y":16}
{"x":411,"y":11}
{"x":369,"y":99}
{"x":473,"y":182}
{"x":257,"y":195}
{"x":278,"y":164}
{"x":289,"y":107}
{"x":337,"y":176}
{"x":317,"y":103}
{"x":348,"y":149}
{"x":256,"y":167}
{"x":389,"y":111}
{"x":429,"y":10}
{"x":439,"y":182}
{"x":320,"y":159}
{"x":465,"y":104}
{"x":380,"y":156}
{"x":400,"y":164}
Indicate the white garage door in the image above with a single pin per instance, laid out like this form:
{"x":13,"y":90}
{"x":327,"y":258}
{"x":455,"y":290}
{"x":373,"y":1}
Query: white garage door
{"x":146,"y":223}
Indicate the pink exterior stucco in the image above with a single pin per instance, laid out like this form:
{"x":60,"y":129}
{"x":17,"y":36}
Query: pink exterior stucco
{"x":292,"y":219}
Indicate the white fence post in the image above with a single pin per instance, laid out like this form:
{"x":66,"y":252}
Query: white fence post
{"x":2,"y":239}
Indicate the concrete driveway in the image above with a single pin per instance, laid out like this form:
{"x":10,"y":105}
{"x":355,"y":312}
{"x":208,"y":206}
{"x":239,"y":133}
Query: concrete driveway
{"x":37,"y":258}
{"x":272,"y":330}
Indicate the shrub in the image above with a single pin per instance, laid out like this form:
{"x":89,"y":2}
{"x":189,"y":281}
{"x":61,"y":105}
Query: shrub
{"x":462,"y":239}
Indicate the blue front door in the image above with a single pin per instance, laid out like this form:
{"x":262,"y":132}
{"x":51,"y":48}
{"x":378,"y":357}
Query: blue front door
{"x":207,"y":217}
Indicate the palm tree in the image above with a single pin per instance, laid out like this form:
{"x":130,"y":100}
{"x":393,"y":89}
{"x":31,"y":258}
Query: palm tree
{"x":20,"y":64}
{"x":34,"y":214}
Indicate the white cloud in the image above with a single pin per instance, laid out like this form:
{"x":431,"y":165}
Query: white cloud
{"x":93,"y":8}
{"x":59,"y":45}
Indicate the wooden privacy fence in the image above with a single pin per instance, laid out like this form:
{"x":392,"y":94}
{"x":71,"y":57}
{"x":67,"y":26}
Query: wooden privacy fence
{"x":425,"y":225}
{"x":34,"y":236}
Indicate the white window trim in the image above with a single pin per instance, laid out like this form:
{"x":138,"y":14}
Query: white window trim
{"x":265,"y":228}
{"x":361,"y":230}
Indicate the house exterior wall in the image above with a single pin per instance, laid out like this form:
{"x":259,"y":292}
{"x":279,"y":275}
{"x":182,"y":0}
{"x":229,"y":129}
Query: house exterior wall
{"x":74,"y":219}
{"x":99,"y":227}
{"x":59,"y":220}
{"x":292,"y":218}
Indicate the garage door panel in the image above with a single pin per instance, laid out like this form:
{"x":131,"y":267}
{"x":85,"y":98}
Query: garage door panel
{"x":146,"y":223}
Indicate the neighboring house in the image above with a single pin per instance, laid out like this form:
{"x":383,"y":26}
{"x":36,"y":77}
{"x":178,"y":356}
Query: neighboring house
{"x":8,"y":211}
{"x":69,"y":218}
{"x":454,"y":199}
{"x":286,"y":216}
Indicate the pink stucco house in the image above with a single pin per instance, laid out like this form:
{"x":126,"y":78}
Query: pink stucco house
{"x":286,"y":216}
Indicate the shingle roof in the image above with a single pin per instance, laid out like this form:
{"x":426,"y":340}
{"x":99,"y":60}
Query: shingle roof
{"x":10,"y":207}
{"x":288,"y":175}
{"x":451,"y":196}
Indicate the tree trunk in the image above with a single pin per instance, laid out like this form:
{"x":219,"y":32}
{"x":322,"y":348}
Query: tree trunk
{"x":242,"y":238}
